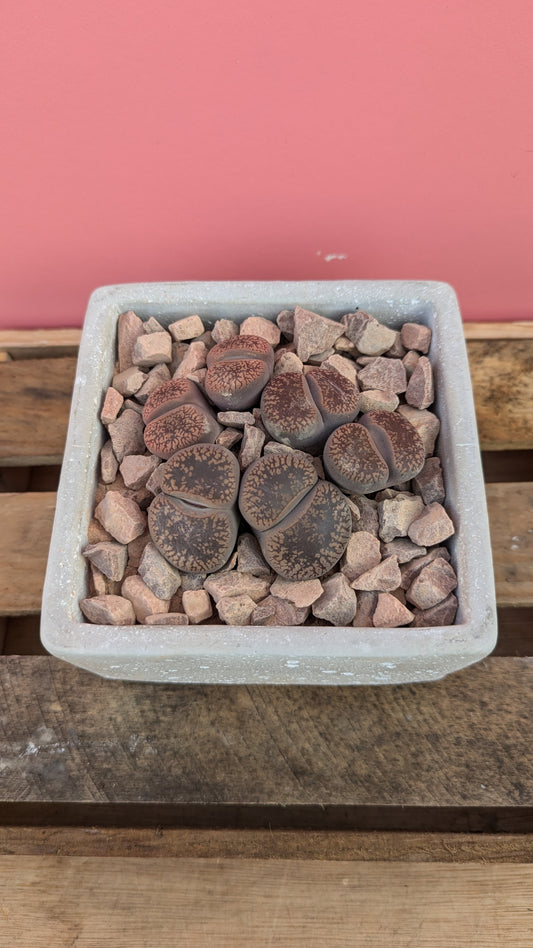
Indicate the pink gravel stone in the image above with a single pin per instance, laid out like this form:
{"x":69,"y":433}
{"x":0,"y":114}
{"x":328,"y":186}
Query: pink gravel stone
{"x":275,"y":611}
{"x":362,"y":553}
{"x":144,"y":601}
{"x":369,"y":335}
{"x":194,"y":359}
{"x":249,"y":557}
{"x":300,"y":593}
{"x":129,"y":328}
{"x":366,"y":604}
{"x":235,"y":610}
{"x":167,"y":618}
{"x":251,"y":447}
{"x":426,"y":423}
{"x":378,"y":399}
{"x":233,"y":583}
{"x":108,"y":610}
{"x":397,"y":350}
{"x":403,"y":548}
{"x":416,"y":336}
{"x":410,"y":570}
{"x":129,"y":382}
{"x":397,"y":514}
{"x":127,"y":434}
{"x":441,"y":614}
{"x":344,"y":366}
{"x":96,"y":532}
{"x":137,"y":468}
{"x":229,"y":437}
{"x":390,"y":612}
{"x":110,"y":558}
{"x":158,"y":574}
{"x":152,"y":349}
{"x":153,"y":483}
{"x":108,"y":463}
{"x":420,"y":390}
{"x":259,"y":326}
{"x":136,"y":549}
{"x":368,"y":514}
{"x":153,"y":325}
{"x":429,"y":483}
{"x":285,"y":321}
{"x":410,"y":361}
{"x":382,"y":578}
{"x":224,"y":329}
{"x":113,"y":402}
{"x":153,"y":379}
{"x":187,"y":328}
{"x":433,"y":584}
{"x":288,"y":362}
{"x":313,"y":333}
{"x":386,"y":374}
{"x":433,"y":526}
{"x":235,"y":419}
{"x":338,"y":602}
{"x":197,"y":605}
{"x":121,"y":517}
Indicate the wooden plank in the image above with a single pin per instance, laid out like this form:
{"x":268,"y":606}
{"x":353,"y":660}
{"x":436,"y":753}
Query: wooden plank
{"x":511,"y":524}
{"x":39,"y":343}
{"x":26,"y":528}
{"x":121,"y":902}
{"x":27,"y":523}
{"x":35,"y":411}
{"x":70,"y":737}
{"x":327,"y":845}
{"x":518,"y":329}
{"x":502,"y":380}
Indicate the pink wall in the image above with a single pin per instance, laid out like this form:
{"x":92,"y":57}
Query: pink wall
{"x":223,"y":139}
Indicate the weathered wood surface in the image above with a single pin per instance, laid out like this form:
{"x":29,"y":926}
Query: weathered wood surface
{"x":35,"y":412}
{"x":26,"y":520}
{"x":36,"y":397}
{"x":519,"y":329}
{"x":62,"y":901}
{"x":502,"y":380}
{"x":68,"y":736}
{"x":39,"y":343}
{"x":511,"y":525}
{"x":27,"y":523}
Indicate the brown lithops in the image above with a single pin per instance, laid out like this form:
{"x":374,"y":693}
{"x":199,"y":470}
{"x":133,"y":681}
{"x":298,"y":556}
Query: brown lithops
{"x":176,"y":415}
{"x":303,"y":524}
{"x":193,"y":521}
{"x":238,"y":370}
{"x":301,"y":410}
{"x":379,"y":450}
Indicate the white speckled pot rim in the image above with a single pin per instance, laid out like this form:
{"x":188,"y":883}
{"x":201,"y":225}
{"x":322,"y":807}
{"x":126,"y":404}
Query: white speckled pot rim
{"x":277,"y":655}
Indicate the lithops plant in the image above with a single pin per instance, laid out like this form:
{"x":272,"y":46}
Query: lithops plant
{"x":302,"y":410}
{"x":237,"y":371}
{"x":303,"y":524}
{"x":193,"y":521}
{"x":378,"y":451}
{"x":176,"y":415}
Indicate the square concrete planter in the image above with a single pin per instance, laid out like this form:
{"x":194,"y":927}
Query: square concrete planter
{"x":277,"y":655}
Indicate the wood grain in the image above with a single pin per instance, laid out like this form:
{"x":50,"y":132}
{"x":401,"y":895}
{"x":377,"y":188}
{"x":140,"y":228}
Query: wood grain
{"x":26,"y":528}
{"x":519,"y":329}
{"x":502,"y":380}
{"x":35,"y":410}
{"x":132,"y":903}
{"x":27,"y":524}
{"x":511,"y":524}
{"x":216,"y":843}
{"x":69,"y":736}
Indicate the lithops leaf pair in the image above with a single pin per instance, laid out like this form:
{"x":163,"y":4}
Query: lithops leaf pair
{"x":302,"y":410}
{"x":176,"y":415}
{"x":193,"y":521}
{"x":237,"y":371}
{"x":379,"y":450}
{"x":303,"y":524}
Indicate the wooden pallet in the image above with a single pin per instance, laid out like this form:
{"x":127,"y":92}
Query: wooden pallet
{"x":315,"y":799}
